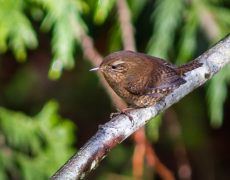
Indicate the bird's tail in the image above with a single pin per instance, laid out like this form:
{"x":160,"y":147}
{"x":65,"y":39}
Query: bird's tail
{"x":181,"y":70}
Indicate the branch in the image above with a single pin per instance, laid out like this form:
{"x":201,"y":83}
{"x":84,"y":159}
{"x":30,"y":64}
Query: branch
{"x":139,"y":153}
{"x":154,"y":161}
{"x":126,"y":25}
{"x":119,"y":128}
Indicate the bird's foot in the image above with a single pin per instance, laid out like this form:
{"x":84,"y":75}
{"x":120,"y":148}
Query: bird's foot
{"x":122,"y":111}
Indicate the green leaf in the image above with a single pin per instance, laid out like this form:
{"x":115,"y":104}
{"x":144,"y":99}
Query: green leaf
{"x":188,"y":40}
{"x":34,"y":143}
{"x":217,"y":94}
{"x":167,"y":16}
{"x":103,"y":8}
{"x":63,"y":17}
{"x":16,"y":29}
{"x":152,"y":128}
{"x":63,"y":43}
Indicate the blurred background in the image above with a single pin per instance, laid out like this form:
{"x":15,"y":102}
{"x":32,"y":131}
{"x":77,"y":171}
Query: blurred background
{"x":50,"y":104}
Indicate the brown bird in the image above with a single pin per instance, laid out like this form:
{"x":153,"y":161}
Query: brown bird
{"x":142,"y":80}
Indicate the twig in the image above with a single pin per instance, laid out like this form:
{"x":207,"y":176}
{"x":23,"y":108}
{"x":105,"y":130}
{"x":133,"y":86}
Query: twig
{"x":144,"y":148}
{"x":139,"y":153}
{"x":184,"y":169}
{"x":119,"y":128}
{"x":126,"y":26}
{"x":155,"y":162}
{"x":88,"y":48}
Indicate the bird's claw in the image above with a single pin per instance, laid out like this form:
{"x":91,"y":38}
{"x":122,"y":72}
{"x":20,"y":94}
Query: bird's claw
{"x":123,"y":111}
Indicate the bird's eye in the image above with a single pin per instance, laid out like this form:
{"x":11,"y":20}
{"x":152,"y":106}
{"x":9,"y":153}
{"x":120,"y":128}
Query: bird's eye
{"x":114,"y":67}
{"x":117,"y":66}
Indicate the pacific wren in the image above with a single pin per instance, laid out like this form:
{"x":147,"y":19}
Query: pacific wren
{"x":142,"y":80}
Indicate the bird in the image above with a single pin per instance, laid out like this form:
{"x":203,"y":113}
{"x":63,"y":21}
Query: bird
{"x":142,"y":80}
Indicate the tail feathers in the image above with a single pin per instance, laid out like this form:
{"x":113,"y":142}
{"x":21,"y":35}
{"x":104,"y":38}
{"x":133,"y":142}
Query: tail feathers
{"x":181,"y":70}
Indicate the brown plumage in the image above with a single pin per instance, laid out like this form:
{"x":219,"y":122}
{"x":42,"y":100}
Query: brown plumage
{"x":142,"y":80}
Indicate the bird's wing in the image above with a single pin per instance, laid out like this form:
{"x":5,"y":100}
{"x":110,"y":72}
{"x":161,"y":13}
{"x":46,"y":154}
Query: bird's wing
{"x":136,"y":84}
{"x":161,"y":80}
{"x":164,"y":79}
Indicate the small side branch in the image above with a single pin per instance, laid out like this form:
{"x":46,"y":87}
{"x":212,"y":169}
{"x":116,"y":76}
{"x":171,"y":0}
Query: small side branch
{"x":120,"y":127}
{"x":126,"y":25}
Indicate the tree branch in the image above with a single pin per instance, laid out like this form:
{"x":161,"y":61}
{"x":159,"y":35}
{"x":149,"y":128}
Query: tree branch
{"x":120,"y":127}
{"x":154,"y":161}
{"x":126,"y":25}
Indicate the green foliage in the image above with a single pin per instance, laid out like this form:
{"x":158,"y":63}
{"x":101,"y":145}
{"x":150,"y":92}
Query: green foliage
{"x":16,"y":31}
{"x":136,"y":7}
{"x":62,"y":16}
{"x":34,"y":147}
{"x":152,"y":128}
{"x":167,"y":16}
{"x":216,"y":95}
{"x":198,"y":13}
{"x":103,"y":8}
{"x":188,"y":43}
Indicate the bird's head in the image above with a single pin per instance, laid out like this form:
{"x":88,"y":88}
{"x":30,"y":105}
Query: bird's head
{"x":117,"y":66}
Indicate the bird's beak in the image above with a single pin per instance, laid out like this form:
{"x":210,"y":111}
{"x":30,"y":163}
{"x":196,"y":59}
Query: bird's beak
{"x":94,"y":69}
